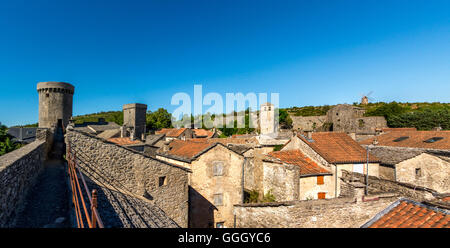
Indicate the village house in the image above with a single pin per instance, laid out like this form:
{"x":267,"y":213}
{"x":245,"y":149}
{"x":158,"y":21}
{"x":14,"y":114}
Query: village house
{"x":420,"y":158}
{"x":290,"y":175}
{"x":216,"y":181}
{"x":335,"y":151}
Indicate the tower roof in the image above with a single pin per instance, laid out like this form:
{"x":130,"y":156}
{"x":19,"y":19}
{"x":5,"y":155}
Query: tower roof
{"x":58,"y":85}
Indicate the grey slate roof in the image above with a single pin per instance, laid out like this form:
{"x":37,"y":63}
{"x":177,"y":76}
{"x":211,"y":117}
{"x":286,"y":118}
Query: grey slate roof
{"x":390,"y":156}
{"x":153,"y":138}
{"x":23,"y":134}
{"x":96,"y":127}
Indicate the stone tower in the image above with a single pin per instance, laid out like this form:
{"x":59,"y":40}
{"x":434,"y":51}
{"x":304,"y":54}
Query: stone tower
{"x":267,"y":119}
{"x":55,"y":103}
{"x":134,"y":116}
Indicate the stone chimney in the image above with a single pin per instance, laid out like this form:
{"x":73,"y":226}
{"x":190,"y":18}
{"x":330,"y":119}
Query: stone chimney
{"x":123,"y":132}
{"x":132,"y":134}
{"x":309,"y":134}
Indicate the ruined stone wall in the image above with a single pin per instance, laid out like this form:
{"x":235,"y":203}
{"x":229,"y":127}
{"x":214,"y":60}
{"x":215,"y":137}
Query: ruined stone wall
{"x":132,"y":171}
{"x":434,"y":173}
{"x":281,"y":180}
{"x":307,"y":123}
{"x":332,"y":213}
{"x":18,"y":171}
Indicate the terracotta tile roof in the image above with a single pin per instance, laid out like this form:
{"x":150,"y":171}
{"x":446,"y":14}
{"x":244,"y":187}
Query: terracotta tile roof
{"x":336,"y":147}
{"x":296,"y":157}
{"x":410,"y":214}
{"x":415,"y":139}
{"x":124,"y":141}
{"x":187,"y":149}
{"x":389,"y":129}
{"x":171,"y":132}
{"x":227,"y":141}
{"x":203,"y":133}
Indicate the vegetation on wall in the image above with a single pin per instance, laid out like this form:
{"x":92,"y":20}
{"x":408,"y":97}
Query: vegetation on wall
{"x":423,"y":116}
{"x":6,"y":145}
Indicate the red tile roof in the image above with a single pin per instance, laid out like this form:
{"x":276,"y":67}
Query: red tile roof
{"x":124,"y":141}
{"x":203,"y":133}
{"x":415,"y":139}
{"x":226,"y":141}
{"x":399,"y":129}
{"x":171,"y":132}
{"x":296,"y":157}
{"x":187,"y":149}
{"x":411,"y":214}
{"x":338,"y":148}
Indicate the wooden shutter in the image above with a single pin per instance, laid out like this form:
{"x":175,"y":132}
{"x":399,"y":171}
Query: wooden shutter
{"x":321,"y":195}
{"x":320,"y":180}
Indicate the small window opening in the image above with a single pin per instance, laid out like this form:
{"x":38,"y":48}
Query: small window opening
{"x":162,"y":181}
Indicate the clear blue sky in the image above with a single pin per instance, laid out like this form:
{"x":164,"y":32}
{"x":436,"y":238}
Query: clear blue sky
{"x":310,"y":52}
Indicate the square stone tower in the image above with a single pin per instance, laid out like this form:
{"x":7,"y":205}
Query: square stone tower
{"x":134,"y":116}
{"x":267,"y":120}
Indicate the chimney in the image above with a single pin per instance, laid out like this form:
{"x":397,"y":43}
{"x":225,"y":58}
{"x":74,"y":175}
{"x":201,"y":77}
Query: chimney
{"x":132,"y":134}
{"x":122,"y":132}
{"x":143,"y":137}
{"x":352,"y":135}
{"x":308,"y":134}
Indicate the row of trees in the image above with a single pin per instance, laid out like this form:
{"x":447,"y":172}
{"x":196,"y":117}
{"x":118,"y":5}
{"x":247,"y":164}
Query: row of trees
{"x":422,"y":118}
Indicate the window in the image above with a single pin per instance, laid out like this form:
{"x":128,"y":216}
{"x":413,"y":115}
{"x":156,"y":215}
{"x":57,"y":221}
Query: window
{"x":418,"y":172}
{"x":220,"y":225}
{"x":401,"y":138}
{"x":218,"y":199}
{"x":319,"y":180}
{"x":434,"y":139}
{"x":218,"y":168}
{"x":321,"y":195}
{"x":162,"y":181}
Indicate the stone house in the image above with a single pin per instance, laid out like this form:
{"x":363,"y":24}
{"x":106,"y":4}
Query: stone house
{"x":336,"y":152}
{"x":420,"y":158}
{"x":290,"y":175}
{"x":216,"y":181}
{"x":176,"y":133}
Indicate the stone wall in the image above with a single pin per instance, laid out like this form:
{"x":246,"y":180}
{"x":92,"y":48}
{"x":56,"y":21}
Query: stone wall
{"x":18,"y":171}
{"x":164,"y":184}
{"x":307,"y":123}
{"x":383,"y":185}
{"x":434,"y":173}
{"x":329,"y":213}
{"x":282,"y":180}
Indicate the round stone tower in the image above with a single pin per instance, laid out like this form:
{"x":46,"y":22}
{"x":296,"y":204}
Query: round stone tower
{"x":55,"y":103}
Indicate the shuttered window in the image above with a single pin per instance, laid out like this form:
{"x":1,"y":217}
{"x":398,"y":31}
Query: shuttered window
{"x":218,"y":168}
{"x":321,"y":195}
{"x":320,"y":180}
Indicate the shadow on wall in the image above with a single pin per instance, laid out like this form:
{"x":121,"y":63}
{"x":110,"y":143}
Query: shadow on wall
{"x":201,"y":211}
{"x":118,"y":210}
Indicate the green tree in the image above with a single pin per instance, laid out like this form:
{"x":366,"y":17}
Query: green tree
{"x":159,"y":119}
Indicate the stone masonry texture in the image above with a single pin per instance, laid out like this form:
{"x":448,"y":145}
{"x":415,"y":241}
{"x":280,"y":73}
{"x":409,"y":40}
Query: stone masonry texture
{"x":134,"y":172}
{"x":332,"y":213}
{"x":18,"y":171}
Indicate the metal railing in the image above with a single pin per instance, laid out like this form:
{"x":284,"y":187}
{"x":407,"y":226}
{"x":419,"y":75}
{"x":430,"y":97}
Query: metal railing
{"x":92,"y":219}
